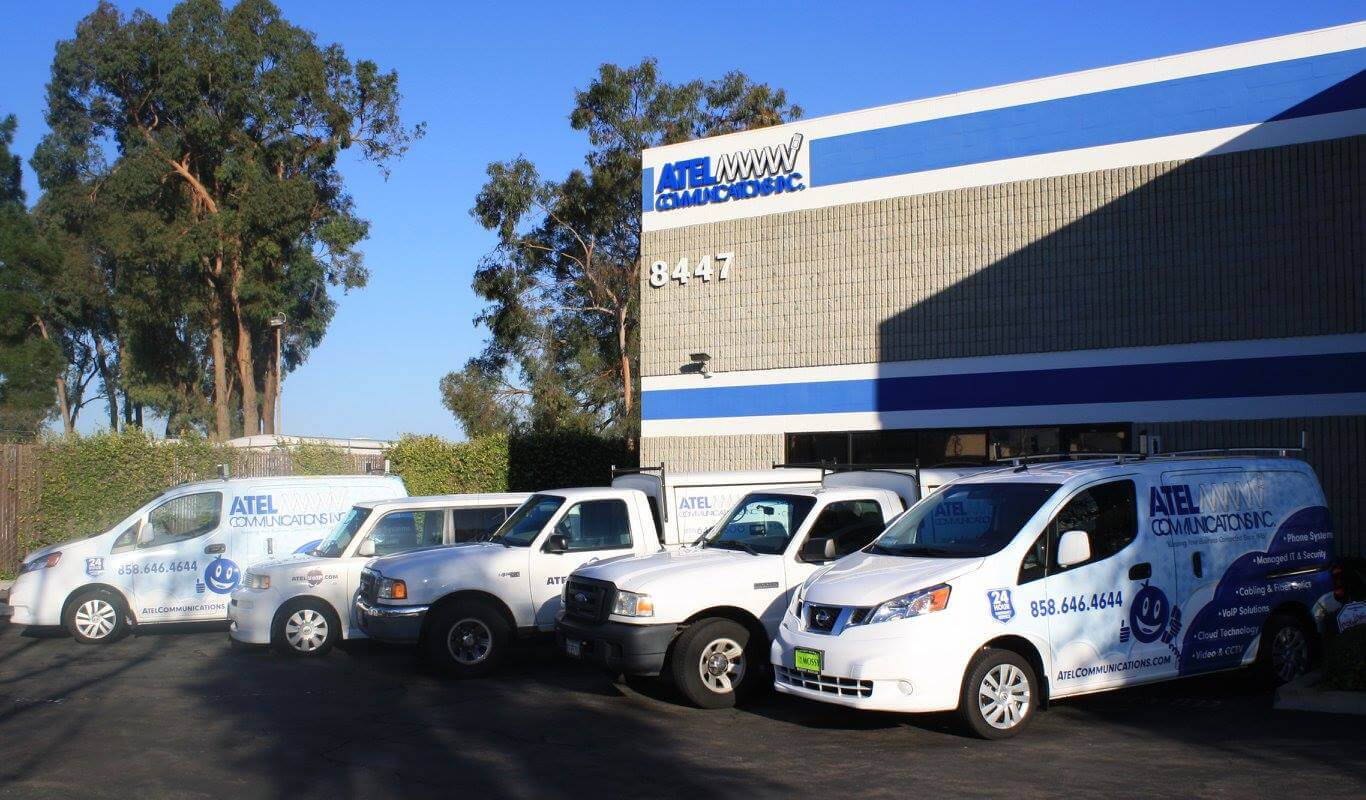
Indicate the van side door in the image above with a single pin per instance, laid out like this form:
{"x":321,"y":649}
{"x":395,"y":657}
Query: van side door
{"x":591,"y":530}
{"x":1110,"y":617}
{"x":180,"y":565}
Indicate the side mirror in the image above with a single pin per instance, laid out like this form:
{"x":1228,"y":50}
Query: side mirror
{"x":366,"y":549}
{"x":1074,"y":547}
{"x":556,"y":543}
{"x":818,"y":549}
{"x":144,"y":533}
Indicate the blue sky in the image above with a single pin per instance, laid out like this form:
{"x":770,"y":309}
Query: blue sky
{"x":493,"y":80}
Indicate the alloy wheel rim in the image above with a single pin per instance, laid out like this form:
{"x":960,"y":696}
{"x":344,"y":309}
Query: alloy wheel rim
{"x":1003,"y":697}
{"x":95,"y":619}
{"x":1289,"y":654}
{"x":469,"y":641}
{"x":306,"y":630}
{"x":722,"y":665}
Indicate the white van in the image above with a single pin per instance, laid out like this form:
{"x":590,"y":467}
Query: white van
{"x":178,"y":558}
{"x":297,"y":603}
{"x":1010,"y":588}
{"x":686,"y":505}
{"x":704,"y":614}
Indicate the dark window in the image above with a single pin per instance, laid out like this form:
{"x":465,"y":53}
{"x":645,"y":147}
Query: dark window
{"x":883,"y":447}
{"x":407,"y":530}
{"x":1035,"y":563}
{"x":960,"y":448}
{"x":474,"y":524}
{"x":954,"y":447}
{"x":654,"y":513}
{"x":965,"y":520}
{"x":1107,"y":512}
{"x":184,"y":517}
{"x":851,"y":523}
{"x":810,"y":448}
{"x":1011,"y":442}
{"x":596,"y":525}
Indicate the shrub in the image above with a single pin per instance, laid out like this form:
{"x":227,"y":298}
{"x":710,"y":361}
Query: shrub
{"x":432,"y":465}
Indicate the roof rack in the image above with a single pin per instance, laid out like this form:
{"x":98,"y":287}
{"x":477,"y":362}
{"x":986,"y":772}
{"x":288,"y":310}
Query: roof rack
{"x":833,"y":467}
{"x":663,"y":506}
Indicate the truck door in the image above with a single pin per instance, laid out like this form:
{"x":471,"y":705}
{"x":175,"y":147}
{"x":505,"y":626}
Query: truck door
{"x":1110,"y":618}
{"x":179,"y":565}
{"x":592,"y":529}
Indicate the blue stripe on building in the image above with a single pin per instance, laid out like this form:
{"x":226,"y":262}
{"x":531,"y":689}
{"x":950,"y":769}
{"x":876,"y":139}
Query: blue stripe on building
{"x":1282,"y":90}
{"x":1333,"y":373}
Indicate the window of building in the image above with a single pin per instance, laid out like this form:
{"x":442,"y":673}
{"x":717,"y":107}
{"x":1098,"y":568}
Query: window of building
{"x":954,"y":447}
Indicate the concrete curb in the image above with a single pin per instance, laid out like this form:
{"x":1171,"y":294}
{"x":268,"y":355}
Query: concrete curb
{"x":1300,"y":695}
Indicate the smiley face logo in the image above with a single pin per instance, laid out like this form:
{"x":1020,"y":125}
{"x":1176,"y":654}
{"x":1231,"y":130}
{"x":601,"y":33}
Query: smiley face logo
{"x":1149,"y":613}
{"x":221,"y":576}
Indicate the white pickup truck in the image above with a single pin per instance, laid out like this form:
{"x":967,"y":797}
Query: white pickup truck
{"x":464,"y":603}
{"x":705,"y":614}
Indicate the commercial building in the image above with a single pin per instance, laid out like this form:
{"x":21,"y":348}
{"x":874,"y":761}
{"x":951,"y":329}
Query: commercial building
{"x":1172,"y":249}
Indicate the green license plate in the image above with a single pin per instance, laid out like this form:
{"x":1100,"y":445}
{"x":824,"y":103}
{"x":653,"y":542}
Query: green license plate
{"x":807,"y":660}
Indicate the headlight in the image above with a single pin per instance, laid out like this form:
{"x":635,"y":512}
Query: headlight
{"x":630,"y":604}
{"x":392,"y":589}
{"x":256,"y":580}
{"x":49,"y":560}
{"x":915,"y":604}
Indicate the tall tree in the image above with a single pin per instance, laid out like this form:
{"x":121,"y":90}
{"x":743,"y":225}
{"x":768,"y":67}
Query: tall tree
{"x":30,"y":360}
{"x":199,"y":155}
{"x":563,"y":281}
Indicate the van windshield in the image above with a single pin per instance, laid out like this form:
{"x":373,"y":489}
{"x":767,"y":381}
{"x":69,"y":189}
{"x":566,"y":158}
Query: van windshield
{"x":964,"y":521}
{"x":521,"y":528}
{"x":336,"y":542}
{"x":761,"y":523}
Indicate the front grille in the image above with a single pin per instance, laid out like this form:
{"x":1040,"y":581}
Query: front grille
{"x":369,"y":585}
{"x":588,"y":600}
{"x":825,"y":684}
{"x":821,"y":619}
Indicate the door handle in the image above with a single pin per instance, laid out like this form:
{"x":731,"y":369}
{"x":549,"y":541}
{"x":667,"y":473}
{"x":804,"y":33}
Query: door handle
{"x":1141,"y":572}
{"x":215,"y":549}
{"x":1198,"y":564}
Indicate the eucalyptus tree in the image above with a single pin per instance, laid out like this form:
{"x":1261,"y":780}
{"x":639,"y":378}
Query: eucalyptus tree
{"x":563,"y":280}
{"x":196,"y":159}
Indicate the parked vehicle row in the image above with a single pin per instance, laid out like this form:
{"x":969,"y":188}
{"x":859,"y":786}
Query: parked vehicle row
{"x":989,"y":591}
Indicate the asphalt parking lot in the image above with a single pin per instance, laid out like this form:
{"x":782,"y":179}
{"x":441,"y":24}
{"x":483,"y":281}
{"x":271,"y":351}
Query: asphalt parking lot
{"x":180,"y":713}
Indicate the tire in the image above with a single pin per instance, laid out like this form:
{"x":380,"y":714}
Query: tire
{"x":305,"y":628}
{"x":1000,"y":694}
{"x":714,"y":665}
{"x":468,"y":638}
{"x":96,"y":616}
{"x":1286,"y":651}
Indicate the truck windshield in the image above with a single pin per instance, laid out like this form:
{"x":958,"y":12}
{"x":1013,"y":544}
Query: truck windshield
{"x":521,"y":528}
{"x":965,"y":521}
{"x":761,"y":523}
{"x":335,"y":543}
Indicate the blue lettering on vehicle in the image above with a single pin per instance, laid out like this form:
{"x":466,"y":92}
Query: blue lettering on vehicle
{"x":1002,"y":608}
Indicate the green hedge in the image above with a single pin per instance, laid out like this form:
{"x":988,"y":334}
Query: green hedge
{"x":86,"y":484}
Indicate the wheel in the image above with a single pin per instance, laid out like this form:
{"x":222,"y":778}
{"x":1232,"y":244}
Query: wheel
{"x":468,"y":638}
{"x":999,"y":695}
{"x":97,"y":616}
{"x":713,"y":664}
{"x":1286,"y":651}
{"x":307,"y":627}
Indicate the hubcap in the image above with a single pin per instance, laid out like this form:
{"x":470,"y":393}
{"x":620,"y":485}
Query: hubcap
{"x":722,"y":666}
{"x":95,"y":619}
{"x":1289,"y":654}
{"x":1003,"y":697}
{"x":469,"y":641}
{"x":306,"y":630}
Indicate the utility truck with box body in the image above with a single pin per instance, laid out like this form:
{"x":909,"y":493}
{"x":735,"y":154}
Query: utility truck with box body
{"x":464,"y":603}
{"x":301,"y":604}
{"x":704,"y":614}
{"x":1007,"y":589}
{"x":178,"y":558}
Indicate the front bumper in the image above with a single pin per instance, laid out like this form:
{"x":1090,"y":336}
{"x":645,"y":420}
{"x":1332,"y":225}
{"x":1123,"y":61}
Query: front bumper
{"x":250,"y":616}
{"x":618,"y":646}
{"x":390,"y":623}
{"x":901,"y":673}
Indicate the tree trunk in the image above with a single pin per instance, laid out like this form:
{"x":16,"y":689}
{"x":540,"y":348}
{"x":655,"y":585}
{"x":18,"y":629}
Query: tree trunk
{"x":246,"y":364}
{"x":270,"y":395}
{"x":628,"y":401}
{"x":219,"y":356}
{"x":111,"y":389}
{"x":63,"y":396}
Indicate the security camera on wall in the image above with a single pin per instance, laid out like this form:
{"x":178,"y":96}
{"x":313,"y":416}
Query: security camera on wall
{"x":697,"y":365}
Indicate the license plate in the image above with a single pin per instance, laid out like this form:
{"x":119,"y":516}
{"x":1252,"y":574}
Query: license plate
{"x":808,"y":660}
{"x":573,"y":647}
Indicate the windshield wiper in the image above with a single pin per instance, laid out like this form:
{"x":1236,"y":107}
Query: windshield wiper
{"x":912,"y":550}
{"x":738,"y":544}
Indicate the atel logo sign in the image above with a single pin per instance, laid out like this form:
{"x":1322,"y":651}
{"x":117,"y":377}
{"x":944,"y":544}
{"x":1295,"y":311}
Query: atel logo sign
{"x":744,"y":174}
